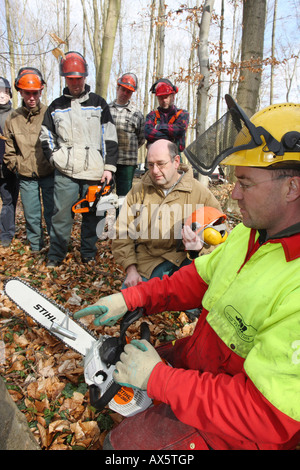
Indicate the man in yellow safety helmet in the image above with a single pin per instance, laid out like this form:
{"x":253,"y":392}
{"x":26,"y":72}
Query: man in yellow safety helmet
{"x":234,"y":384}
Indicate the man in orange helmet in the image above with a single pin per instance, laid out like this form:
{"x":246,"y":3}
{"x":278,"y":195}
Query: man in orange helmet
{"x":24,"y":155}
{"x":79,"y":138}
{"x":130,"y":124}
{"x":167,"y":121}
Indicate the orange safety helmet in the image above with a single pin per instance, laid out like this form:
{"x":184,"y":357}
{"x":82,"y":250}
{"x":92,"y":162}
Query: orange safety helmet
{"x":73,"y":65}
{"x":29,"y":78}
{"x":129,"y":81}
{"x":163,"y":86}
{"x":208,"y":223}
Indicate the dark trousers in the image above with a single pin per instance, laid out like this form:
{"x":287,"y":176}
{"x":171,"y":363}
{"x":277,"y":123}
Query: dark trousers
{"x":9,"y":192}
{"x":124,"y":177}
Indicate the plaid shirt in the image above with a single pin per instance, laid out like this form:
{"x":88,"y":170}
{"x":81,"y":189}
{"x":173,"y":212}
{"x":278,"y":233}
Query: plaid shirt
{"x":159,"y":125}
{"x":130,"y":124}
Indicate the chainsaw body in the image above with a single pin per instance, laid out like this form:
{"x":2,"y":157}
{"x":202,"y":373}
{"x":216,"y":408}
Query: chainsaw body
{"x":98,"y":374}
{"x":98,"y":198}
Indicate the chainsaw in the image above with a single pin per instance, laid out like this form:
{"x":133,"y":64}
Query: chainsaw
{"x":100,"y":354}
{"x":98,"y":198}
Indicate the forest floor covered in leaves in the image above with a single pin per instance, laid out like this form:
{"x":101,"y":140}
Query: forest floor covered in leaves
{"x":44,"y":377}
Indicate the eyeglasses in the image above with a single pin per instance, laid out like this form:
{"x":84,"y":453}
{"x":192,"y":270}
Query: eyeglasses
{"x":245,"y":187}
{"x":159,"y":165}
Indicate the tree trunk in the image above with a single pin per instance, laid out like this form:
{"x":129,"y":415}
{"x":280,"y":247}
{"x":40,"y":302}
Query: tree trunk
{"x":103,"y":71}
{"x":273,"y":52}
{"x":161,"y":39}
{"x":94,"y":36}
{"x":203,"y":87}
{"x":146,"y":100}
{"x":11,"y":53}
{"x":254,"y":14}
{"x":203,"y":57}
{"x":219,"y":96}
{"x":67,"y":22}
{"x":235,"y":50}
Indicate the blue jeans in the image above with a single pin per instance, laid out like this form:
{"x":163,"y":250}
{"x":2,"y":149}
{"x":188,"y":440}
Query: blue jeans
{"x":66,"y":193}
{"x":32,"y":190}
{"x":9,"y":192}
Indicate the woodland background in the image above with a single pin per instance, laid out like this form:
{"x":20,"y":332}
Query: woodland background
{"x":248,"y":49}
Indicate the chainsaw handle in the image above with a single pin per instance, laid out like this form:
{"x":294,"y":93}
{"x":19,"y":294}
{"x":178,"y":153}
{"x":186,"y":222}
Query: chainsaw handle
{"x":99,"y":402}
{"x":145,"y":331}
{"x":81,"y":209}
{"x":127,"y":320}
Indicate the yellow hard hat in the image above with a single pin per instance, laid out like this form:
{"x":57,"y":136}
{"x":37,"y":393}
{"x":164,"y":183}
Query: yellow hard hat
{"x":271,"y":138}
{"x":278,"y":126}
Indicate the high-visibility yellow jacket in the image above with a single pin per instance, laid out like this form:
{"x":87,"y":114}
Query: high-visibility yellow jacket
{"x":237,"y":378}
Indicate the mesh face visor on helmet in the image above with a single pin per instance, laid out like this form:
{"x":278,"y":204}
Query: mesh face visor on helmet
{"x":73,"y":65}
{"x":129,"y":81}
{"x":29,"y":78}
{"x":163,"y":86}
{"x":231,"y":133}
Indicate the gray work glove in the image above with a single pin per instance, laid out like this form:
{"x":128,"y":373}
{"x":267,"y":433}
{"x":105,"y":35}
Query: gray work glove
{"x":136,"y":364}
{"x":107,"y":310}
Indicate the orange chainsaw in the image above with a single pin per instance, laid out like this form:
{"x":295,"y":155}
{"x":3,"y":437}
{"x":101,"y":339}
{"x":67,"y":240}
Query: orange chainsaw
{"x":92,"y":197}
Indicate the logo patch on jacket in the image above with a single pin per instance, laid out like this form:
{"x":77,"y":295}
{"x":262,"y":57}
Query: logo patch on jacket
{"x":244,"y":331}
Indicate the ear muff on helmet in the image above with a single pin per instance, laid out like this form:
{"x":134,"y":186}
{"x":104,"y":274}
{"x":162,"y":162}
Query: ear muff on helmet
{"x":73,"y":65}
{"x":163,"y":86}
{"x":209,"y":225}
{"x":29,"y":78}
{"x":214,"y":235}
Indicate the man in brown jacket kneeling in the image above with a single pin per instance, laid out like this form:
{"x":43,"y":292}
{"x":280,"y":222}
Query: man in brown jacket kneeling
{"x":147,"y":241}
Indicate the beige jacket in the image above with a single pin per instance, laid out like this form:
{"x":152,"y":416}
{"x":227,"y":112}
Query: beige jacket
{"x":23,"y":149}
{"x":148,"y":230}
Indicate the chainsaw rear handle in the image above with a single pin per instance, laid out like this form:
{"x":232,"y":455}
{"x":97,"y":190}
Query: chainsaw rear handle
{"x":99,"y":403}
{"x":111,"y":353}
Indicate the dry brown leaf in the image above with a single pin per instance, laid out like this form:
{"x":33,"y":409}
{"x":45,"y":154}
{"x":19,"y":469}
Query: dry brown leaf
{"x":43,"y":435}
{"x":73,"y":404}
{"x":85,"y":430}
{"x":15,"y":395}
{"x":59,"y":425}
{"x":57,"y":39}
{"x":56,"y":446}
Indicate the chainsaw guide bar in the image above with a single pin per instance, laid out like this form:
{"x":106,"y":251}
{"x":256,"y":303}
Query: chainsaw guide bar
{"x":98,"y":372}
{"x":47,"y":313}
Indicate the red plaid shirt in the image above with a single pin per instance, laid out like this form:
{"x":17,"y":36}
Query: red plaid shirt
{"x":171,"y":125}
